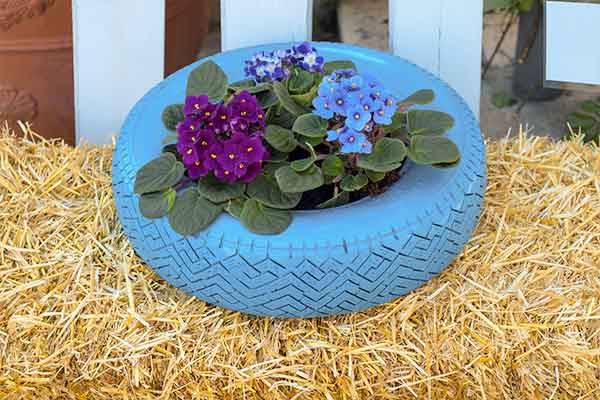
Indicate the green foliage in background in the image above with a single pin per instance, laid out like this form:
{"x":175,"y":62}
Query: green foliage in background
{"x":519,"y":5}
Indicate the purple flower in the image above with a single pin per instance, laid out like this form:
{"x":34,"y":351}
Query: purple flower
{"x":198,"y":169}
{"x":211,"y":155}
{"x":245,"y":106}
{"x":194,"y":105}
{"x":263,"y":67}
{"x":305,"y":56}
{"x":225,"y":175}
{"x":222,"y":118}
{"x":189,"y":152}
{"x":188,"y":129}
{"x":252,"y":172}
{"x":253,"y":150}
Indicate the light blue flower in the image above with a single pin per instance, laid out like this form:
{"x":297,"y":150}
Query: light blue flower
{"x":357,"y":118}
{"x":383,"y":115}
{"x":335,"y":134}
{"x":353,"y":83}
{"x":323,"y":107}
{"x":340,"y":102}
{"x":352,"y":142}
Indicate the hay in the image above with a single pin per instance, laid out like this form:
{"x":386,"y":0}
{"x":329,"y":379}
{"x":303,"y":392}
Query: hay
{"x":517,"y":316}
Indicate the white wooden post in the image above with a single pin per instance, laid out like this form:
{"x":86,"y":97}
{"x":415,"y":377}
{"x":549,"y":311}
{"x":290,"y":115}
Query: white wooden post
{"x":443,"y":36}
{"x":253,"y":22}
{"x":118,"y":55}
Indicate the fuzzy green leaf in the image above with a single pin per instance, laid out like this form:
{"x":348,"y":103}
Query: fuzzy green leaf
{"x":300,"y":82}
{"x":336,"y":201}
{"x":305,"y":163}
{"x":266,"y":190}
{"x":263,"y":220}
{"x":332,"y":166}
{"x":159,"y":174}
{"x":219,"y":191}
{"x":332,"y":66}
{"x":352,"y":183}
{"x":306,"y":99}
{"x":192,"y":213}
{"x":398,"y":123}
{"x":234,"y":207}
{"x":430,"y":150}
{"x":387,"y":155}
{"x":311,"y":126}
{"x":267,"y":99}
{"x":290,"y":181}
{"x":375,"y":176}
{"x":286,"y":100}
{"x":280,"y":138}
{"x":172,"y":115}
{"x":421,"y":97}
{"x":429,"y":122}
{"x":157,"y":204}
{"x":208,"y":79}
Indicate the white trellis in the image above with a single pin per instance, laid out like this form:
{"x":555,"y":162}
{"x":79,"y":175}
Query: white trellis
{"x":119,"y":47}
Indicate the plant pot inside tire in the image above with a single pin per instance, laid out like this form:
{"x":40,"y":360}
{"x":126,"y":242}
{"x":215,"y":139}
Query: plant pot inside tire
{"x":326,"y":215}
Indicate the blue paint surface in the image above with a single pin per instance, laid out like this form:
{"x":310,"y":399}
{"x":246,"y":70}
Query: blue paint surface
{"x":328,"y":261}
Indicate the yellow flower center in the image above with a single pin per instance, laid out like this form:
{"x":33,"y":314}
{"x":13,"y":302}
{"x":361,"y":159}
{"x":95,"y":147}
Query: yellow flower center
{"x":366,"y":107}
{"x":226,"y":172}
{"x":204,"y":143}
{"x":250,"y":149}
{"x":223,"y":117}
{"x":242,"y":166}
{"x":243,"y":113}
{"x":380,"y":112}
{"x":340,"y":101}
{"x":197,"y":163}
{"x":194,"y":139}
{"x":207,"y":113}
{"x":192,"y":127}
{"x":197,"y":106}
{"x":357,"y":116}
{"x":213,"y":156}
{"x":260,"y":116}
{"x":351,"y":139}
{"x":231,"y":156}
{"x":189,"y":151}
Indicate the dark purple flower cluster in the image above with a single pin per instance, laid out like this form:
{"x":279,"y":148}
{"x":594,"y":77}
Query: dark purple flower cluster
{"x":276,"y":65}
{"x":225,"y":139}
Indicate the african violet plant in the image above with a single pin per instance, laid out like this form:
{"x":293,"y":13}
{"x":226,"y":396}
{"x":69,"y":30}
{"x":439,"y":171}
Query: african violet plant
{"x":299,"y":133}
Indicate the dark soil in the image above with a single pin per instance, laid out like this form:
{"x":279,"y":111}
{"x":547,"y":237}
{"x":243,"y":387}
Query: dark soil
{"x":311,"y":199}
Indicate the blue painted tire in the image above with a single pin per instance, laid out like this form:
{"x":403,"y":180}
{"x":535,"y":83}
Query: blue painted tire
{"x":327,"y":262}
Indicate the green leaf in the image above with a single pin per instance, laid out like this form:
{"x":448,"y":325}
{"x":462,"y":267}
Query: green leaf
{"x":157,"y":204}
{"x":234,"y":207}
{"x":429,"y":150}
{"x":306,"y":99}
{"x":281,"y":117}
{"x":332,"y":166}
{"x":526,"y":5}
{"x":172,"y":115}
{"x":286,"y":101}
{"x":270,"y":167}
{"x":490,"y":5}
{"x":300,"y":82}
{"x":305,"y":163}
{"x":502,"y":100}
{"x":332,"y":66}
{"x":280,"y":138}
{"x":169,"y":139}
{"x":219,"y":191}
{"x":267,"y":99}
{"x":421,"y":97}
{"x":266,"y":190}
{"x":375,"y":176}
{"x":398,"y":123}
{"x":159,"y":174}
{"x":336,"y":201}
{"x":208,"y":79}
{"x":277,"y":157}
{"x":310,"y":125}
{"x":579,"y":120}
{"x":291,"y":181}
{"x":192,"y":213}
{"x":311,"y":141}
{"x":387,"y":155}
{"x":428,"y":122}
{"x":263,"y":220}
{"x":591,"y":106}
{"x":243,"y":84}
{"x":353,"y":183}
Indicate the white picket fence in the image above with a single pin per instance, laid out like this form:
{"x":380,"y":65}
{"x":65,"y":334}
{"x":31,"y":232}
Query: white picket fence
{"x":119,"y":47}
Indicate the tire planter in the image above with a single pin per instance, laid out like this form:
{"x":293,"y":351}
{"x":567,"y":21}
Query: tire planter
{"x":331,"y":261}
